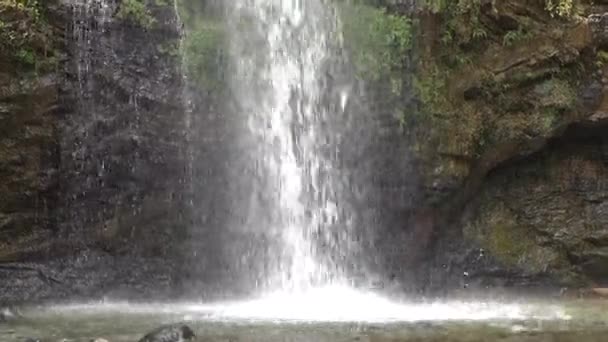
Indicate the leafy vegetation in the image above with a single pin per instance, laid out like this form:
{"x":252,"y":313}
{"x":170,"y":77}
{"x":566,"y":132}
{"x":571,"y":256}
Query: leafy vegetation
{"x":456,"y":6}
{"x":379,"y":41}
{"x":602,"y":58}
{"x":432,"y":89}
{"x":462,"y":21}
{"x":515,"y":36}
{"x":136,"y":11}
{"x":560,"y":8}
{"x":25,"y":36}
{"x":26,"y":56}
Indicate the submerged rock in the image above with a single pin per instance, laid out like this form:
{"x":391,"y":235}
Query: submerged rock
{"x":170,"y":333}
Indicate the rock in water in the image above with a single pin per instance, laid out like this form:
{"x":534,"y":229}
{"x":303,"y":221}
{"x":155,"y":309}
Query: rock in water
{"x":6,"y":314}
{"x":170,"y":333}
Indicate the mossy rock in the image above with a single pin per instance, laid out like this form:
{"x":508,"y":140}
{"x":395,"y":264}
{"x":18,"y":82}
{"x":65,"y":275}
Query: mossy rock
{"x":499,"y":232}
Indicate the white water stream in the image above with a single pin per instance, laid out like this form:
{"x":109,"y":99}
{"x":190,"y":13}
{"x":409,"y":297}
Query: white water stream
{"x":280,"y":49}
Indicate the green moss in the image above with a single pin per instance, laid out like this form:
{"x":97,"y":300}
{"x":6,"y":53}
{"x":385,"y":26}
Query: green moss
{"x":431,"y":87}
{"x":556,"y":93}
{"x":602,"y":58}
{"x":135,"y":11}
{"x":498,"y":231}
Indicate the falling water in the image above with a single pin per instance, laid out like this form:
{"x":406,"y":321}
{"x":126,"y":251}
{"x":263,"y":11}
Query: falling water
{"x":281,"y":51}
{"x":187,"y":101}
{"x":88,"y":16}
{"x":294,"y":85}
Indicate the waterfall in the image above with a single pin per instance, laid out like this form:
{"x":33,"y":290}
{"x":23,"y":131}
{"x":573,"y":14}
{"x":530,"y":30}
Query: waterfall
{"x":283,"y":52}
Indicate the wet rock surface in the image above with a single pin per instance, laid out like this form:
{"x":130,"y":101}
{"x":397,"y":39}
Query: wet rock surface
{"x":170,"y":333}
{"x":7,"y":314}
{"x":515,"y":162}
{"x":92,"y":158}
{"x":500,"y":185}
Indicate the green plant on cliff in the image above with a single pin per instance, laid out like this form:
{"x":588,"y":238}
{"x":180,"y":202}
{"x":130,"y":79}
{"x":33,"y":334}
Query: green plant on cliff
{"x":461,"y":6}
{"x":515,"y":36}
{"x":170,"y":48}
{"x":434,"y":6}
{"x":26,"y":56}
{"x":136,"y":11}
{"x":204,"y":52}
{"x":462,"y":22}
{"x":431,"y":88}
{"x":602,"y":58}
{"x":560,"y":8}
{"x":378,"y":41}
{"x":31,"y":7}
{"x":25,"y":36}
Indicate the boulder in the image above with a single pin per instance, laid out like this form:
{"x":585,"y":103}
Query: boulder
{"x":170,"y":333}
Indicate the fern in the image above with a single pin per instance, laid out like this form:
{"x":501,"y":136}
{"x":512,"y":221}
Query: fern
{"x":560,"y":8}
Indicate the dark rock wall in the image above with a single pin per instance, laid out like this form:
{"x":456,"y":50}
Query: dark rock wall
{"x":123,"y":157}
{"x":97,"y":167}
{"x":29,"y":106}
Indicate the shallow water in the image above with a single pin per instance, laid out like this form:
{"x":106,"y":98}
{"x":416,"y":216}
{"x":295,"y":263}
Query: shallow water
{"x":324,"y":317}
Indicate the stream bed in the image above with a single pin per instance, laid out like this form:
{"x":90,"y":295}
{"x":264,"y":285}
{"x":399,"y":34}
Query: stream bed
{"x":578,"y":321}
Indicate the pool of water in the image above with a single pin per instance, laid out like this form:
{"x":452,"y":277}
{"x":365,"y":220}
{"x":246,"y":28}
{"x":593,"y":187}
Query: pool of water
{"x":323,"y":316}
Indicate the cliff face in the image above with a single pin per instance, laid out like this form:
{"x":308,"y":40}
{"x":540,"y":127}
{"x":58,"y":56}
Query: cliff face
{"x":487,"y":154}
{"x":509,"y":140}
{"x":29,"y":103}
{"x":92,"y":155}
